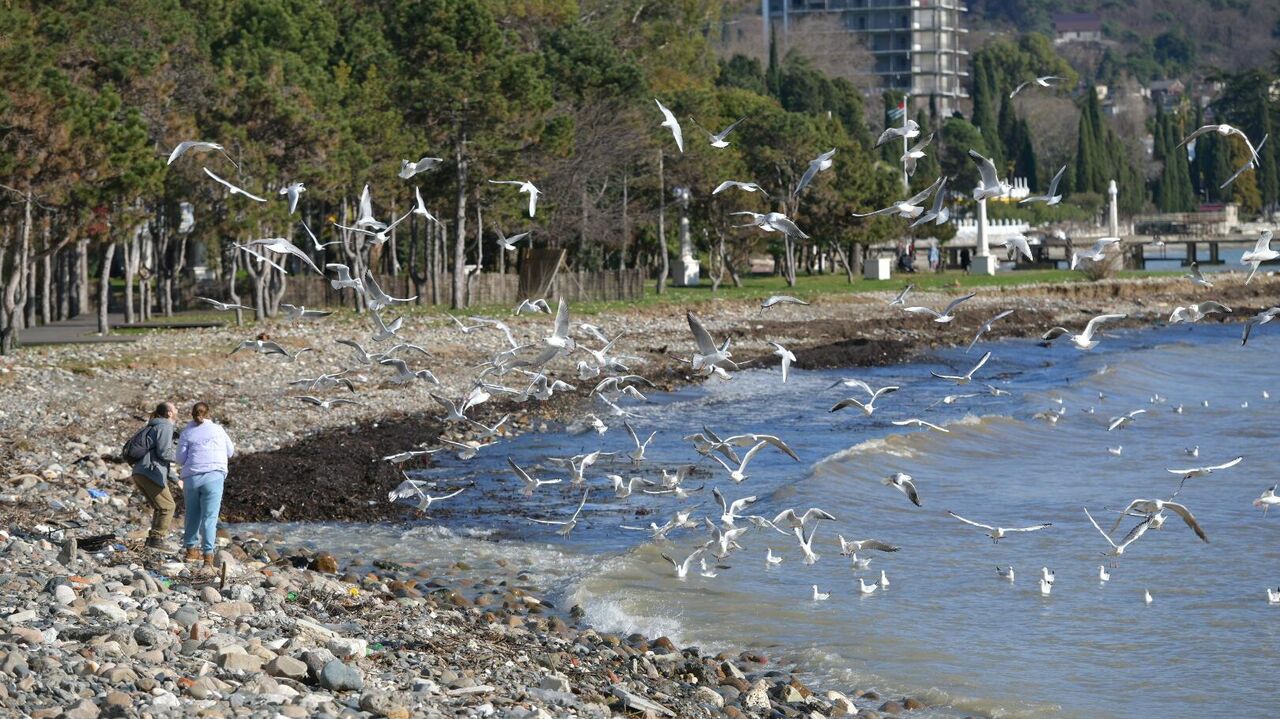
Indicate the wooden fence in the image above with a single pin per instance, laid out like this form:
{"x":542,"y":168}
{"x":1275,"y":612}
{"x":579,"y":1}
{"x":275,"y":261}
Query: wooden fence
{"x":485,"y":288}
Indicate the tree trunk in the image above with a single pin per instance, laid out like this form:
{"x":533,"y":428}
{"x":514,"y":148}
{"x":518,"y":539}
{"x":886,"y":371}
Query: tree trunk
{"x":626,"y":227}
{"x":662,"y":227}
{"x":104,"y":288}
{"x":844,"y":260}
{"x":232,"y":263}
{"x":46,"y":288}
{"x":15,"y":288}
{"x":130,"y":275}
{"x":460,"y":232}
{"x":81,"y":304}
{"x":415,"y":276}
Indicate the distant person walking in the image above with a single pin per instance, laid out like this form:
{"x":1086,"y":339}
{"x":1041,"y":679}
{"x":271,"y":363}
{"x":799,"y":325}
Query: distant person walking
{"x":203,"y":451}
{"x":934,"y":258}
{"x":151,"y":450}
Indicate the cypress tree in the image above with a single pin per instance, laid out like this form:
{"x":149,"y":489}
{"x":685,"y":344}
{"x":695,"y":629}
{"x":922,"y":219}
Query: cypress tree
{"x":773,"y":73}
{"x":1026,"y":164}
{"x":1007,"y":125}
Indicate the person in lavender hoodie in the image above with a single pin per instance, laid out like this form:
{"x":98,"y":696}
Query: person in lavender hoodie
{"x":203,"y":451}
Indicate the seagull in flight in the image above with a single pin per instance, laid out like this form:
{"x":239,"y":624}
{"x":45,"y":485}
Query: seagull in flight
{"x":526,"y":187}
{"x":409,"y":169}
{"x":921,"y":424}
{"x":682,"y":568}
{"x":786,"y":356}
{"x":717,"y":138}
{"x":637,"y":454}
{"x":868,"y":407}
{"x":567,"y":525}
{"x":708,"y":355}
{"x":816,"y":165}
{"x":385,"y":331}
{"x":901,"y":297}
{"x":315,"y":241}
{"x":1260,"y":253}
{"x":1084,"y":340}
{"x":1153,"y":507}
{"x":938,"y":214}
{"x":998,"y":533}
{"x":1251,"y":164}
{"x":1267,"y":500}
{"x":1052,"y":197}
{"x":986,"y":327}
{"x":223,"y":306}
{"x":328,"y":403}
{"x":1096,"y":253}
{"x":282,"y":246}
{"x":967,"y":376}
{"x":293,"y":190}
{"x":404,"y":374}
{"x":903,"y":482}
{"x":1261,"y":318}
{"x":772,"y":222}
{"x":509,"y":243}
{"x":669,"y":121}
{"x":405,"y":456}
{"x":909,"y":208}
{"x":909,"y":130}
{"x":197,"y":146}
{"x":1196,"y":277}
{"x":1118,"y":549}
{"x":774,"y":300}
{"x":945,"y":315}
{"x":530,"y":484}
{"x":730,"y":511}
{"x":849,"y":549}
{"x":1017,"y":243}
{"x":267,"y":347}
{"x":345,"y":280}
{"x":991,"y":185}
{"x":738,"y":474}
{"x":302,"y":313}
{"x":798,"y":521}
{"x":744,"y":186}
{"x":1225,"y":131}
{"x":1197,"y":312}
{"x":1190,"y":472}
{"x":1122,"y":420}
{"x":1045,"y":81}
{"x":234,"y":190}
{"x":411,"y":488}
{"x":915,"y":153}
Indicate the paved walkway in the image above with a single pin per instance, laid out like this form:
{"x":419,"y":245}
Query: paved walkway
{"x":84,"y":330}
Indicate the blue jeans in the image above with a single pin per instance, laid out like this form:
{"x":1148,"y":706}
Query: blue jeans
{"x":203,"y":495}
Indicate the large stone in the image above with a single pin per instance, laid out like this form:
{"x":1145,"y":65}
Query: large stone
{"x":707,"y":695}
{"x":231,"y":610}
{"x":324,"y":562}
{"x":84,"y":709}
{"x":64,"y":594}
{"x":556,"y":683}
{"x":109,"y":610}
{"x":758,"y":696}
{"x":240,"y":662}
{"x":285,"y":666}
{"x":391,"y":705}
{"x":158,"y":618}
{"x":347,"y":647}
{"x":315,"y":660}
{"x":340,"y":677}
{"x":185,"y":617}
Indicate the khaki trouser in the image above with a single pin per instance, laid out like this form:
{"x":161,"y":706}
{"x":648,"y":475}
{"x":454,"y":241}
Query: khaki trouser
{"x":161,"y":503}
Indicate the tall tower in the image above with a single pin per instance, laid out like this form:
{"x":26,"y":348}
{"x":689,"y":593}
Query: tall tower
{"x":916,"y":45}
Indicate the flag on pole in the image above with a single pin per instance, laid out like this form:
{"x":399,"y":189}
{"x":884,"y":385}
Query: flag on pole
{"x":897,"y":112}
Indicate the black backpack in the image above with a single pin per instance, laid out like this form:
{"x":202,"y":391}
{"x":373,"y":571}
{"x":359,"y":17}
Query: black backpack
{"x":138,"y":445}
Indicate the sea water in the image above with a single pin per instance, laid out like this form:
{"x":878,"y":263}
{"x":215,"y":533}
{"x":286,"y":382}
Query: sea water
{"x":948,"y":629}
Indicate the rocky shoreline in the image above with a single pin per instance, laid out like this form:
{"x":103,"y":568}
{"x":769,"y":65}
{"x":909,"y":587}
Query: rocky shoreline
{"x":111,"y":630}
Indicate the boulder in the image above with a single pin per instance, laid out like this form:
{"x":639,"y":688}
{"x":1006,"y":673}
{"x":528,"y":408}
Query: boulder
{"x":339,"y":677}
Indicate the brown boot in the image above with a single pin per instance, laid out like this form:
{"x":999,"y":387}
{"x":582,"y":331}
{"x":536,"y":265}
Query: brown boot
{"x":208,"y":561}
{"x":192,"y":555}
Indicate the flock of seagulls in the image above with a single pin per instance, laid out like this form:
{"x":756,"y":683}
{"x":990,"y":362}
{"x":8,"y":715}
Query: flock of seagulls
{"x":520,"y":370}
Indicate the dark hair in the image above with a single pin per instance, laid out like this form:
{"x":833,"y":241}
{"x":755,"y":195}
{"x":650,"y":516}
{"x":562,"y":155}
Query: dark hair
{"x":162,"y":411}
{"x":200,"y":412}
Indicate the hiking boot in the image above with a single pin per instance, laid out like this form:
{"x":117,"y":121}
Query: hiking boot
{"x":161,"y":545}
{"x":192,"y":555}
{"x":208,"y":561}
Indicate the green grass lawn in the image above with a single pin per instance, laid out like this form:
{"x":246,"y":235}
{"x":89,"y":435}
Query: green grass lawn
{"x":754,"y":288}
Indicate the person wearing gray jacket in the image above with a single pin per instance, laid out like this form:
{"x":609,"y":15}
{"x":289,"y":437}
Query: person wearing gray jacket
{"x":151,"y":474}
